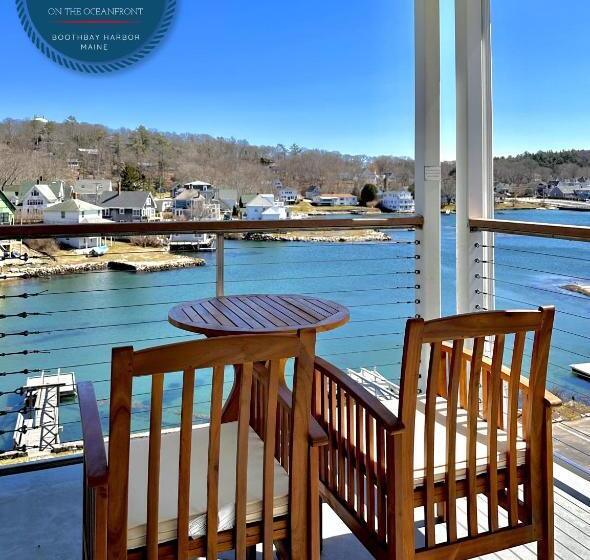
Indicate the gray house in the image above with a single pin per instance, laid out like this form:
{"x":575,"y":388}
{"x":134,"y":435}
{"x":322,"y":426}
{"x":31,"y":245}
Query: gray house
{"x":127,"y":206}
{"x":228,"y":200}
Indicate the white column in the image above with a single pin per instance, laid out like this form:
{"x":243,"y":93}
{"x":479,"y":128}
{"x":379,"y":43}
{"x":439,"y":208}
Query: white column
{"x":475,"y":192}
{"x":427,"y":157}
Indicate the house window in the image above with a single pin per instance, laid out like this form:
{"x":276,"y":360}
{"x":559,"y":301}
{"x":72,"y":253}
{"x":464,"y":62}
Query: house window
{"x":34,"y":192}
{"x":82,"y":213}
{"x":121,"y":210}
{"x":63,"y":215}
{"x":136,"y":212}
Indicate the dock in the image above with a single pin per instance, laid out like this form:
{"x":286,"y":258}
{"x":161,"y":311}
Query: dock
{"x":375,"y":383}
{"x":38,"y":428}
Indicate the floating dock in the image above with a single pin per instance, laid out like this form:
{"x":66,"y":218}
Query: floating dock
{"x":375,"y":383}
{"x":37,"y":428}
{"x":581,"y":370}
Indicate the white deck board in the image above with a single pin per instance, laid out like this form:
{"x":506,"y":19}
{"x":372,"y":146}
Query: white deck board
{"x":44,"y":513}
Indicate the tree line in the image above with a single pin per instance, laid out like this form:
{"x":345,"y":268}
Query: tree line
{"x":154,"y":160}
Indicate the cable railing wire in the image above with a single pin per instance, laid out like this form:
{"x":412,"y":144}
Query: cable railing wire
{"x":564,"y":293}
{"x":534,"y":305}
{"x":539,"y":253}
{"x":154,"y":321}
{"x":204,"y":283}
{"x":175,"y":302}
{"x":536,"y":270}
{"x":327,"y":338}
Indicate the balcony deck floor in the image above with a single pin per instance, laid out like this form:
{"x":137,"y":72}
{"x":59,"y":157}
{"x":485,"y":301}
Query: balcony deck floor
{"x":41,"y":519}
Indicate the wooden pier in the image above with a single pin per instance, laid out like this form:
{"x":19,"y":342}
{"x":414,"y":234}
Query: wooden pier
{"x":38,"y":427}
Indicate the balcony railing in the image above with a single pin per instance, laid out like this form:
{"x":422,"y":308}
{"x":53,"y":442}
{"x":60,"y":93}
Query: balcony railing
{"x":535,"y":264}
{"x":69,"y":323}
{"x":72,"y":321}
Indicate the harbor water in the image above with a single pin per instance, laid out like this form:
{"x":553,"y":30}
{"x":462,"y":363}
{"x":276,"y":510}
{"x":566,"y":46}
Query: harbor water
{"x":88,"y":314}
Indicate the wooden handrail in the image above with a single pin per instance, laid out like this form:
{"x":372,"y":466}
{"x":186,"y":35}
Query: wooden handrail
{"x":550,"y":399}
{"x":233,"y":226}
{"x":378,"y":410}
{"x":536,"y":229}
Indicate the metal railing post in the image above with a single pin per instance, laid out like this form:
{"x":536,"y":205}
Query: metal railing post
{"x":219,"y":261}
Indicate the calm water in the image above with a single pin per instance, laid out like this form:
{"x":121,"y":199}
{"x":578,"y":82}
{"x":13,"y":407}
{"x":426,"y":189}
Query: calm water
{"x":91,"y":313}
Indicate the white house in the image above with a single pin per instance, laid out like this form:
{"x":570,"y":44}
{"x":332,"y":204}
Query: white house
{"x":286,"y":195}
{"x":164,"y":205}
{"x":335,"y":199}
{"x":37,"y":199}
{"x":397,"y":201}
{"x":265,"y":207}
{"x":75,"y":211}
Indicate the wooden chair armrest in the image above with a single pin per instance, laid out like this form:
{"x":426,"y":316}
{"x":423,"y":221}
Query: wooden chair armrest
{"x":372,"y":404}
{"x":550,"y":399}
{"x":95,"y":459}
{"x":317,"y":435}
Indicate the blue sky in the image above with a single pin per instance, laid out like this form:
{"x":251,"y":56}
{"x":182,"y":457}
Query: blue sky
{"x":331,"y":74}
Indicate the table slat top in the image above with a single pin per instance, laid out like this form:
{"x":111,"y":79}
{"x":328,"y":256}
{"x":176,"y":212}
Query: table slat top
{"x":258,"y":314}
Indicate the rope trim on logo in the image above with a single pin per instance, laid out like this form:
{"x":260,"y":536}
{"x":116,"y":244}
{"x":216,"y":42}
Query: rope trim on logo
{"x":95,"y":68}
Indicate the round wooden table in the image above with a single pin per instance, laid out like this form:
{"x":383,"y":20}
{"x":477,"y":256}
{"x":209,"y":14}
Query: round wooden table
{"x":258,"y":314}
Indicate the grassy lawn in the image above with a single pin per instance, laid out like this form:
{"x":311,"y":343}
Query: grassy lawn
{"x":306,"y":208}
{"x":118,"y":251}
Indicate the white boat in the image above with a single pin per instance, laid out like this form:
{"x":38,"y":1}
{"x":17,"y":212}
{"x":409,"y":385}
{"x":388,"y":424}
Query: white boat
{"x":97,"y":251}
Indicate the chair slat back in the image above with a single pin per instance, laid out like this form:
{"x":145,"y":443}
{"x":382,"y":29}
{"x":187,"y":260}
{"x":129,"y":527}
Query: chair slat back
{"x":153,"y":489}
{"x":469,"y":390}
{"x":245,"y":353}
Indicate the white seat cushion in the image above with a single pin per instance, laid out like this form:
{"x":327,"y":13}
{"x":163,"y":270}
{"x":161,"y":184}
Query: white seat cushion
{"x":138,"y":467}
{"x":440,"y":451}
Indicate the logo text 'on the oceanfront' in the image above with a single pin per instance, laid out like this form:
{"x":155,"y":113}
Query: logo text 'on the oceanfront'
{"x":104,"y":37}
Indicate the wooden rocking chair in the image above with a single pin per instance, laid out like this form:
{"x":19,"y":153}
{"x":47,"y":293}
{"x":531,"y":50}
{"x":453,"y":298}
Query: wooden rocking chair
{"x":432,"y":467}
{"x":203,"y":489}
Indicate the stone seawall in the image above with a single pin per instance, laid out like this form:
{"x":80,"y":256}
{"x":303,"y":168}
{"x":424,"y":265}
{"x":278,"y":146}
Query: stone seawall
{"x":364,"y":236}
{"x":577,"y":288}
{"x":56,"y":269}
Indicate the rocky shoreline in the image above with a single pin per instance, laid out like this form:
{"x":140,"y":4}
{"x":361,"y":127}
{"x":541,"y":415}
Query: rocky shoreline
{"x":364,"y":236}
{"x":56,"y":269}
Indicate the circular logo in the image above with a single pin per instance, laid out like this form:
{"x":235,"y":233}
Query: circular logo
{"x":98,"y":36}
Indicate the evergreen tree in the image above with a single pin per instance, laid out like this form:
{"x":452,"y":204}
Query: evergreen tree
{"x":368,"y":194}
{"x":132,"y":179}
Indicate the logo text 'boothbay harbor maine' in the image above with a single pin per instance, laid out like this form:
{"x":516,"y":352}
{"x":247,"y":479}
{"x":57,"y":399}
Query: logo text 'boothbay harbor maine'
{"x":96,"y":36}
